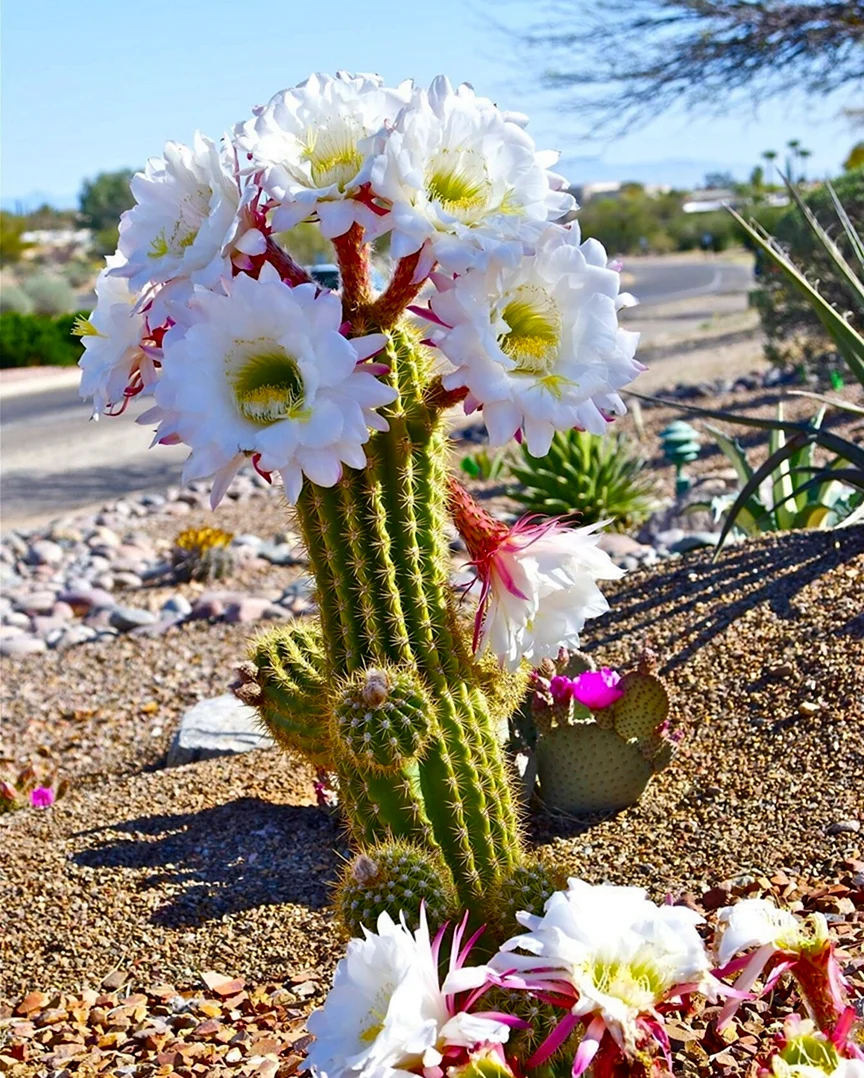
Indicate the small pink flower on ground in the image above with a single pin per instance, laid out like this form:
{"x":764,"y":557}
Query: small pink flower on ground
{"x":596,"y":689}
{"x":42,"y":797}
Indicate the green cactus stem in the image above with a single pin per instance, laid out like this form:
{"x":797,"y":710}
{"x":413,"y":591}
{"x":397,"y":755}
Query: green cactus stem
{"x":391,"y":698}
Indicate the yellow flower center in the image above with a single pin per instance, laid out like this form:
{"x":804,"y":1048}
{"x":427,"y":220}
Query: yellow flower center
{"x":194,"y":208}
{"x":269,"y":387}
{"x":332,"y":152}
{"x":458,"y":181}
{"x":639,"y":983}
{"x":811,"y":1051}
{"x":534,"y":330}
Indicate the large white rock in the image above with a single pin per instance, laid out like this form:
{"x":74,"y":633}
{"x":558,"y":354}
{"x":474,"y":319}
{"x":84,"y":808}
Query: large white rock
{"x":221,"y":726}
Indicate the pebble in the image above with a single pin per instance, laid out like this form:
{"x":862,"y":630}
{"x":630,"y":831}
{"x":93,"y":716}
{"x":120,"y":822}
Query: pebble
{"x":844,"y":827}
{"x":177,"y":604}
{"x":125,"y":618}
{"x":22,"y":645}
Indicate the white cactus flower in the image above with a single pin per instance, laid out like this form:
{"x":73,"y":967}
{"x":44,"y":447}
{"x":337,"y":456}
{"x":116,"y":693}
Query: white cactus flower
{"x":538,"y":344}
{"x":387,"y":1013}
{"x":262,"y":371}
{"x":184,"y":212}
{"x":114,"y":364}
{"x":462,"y":175}
{"x":309,"y":143}
{"x":618,"y":953}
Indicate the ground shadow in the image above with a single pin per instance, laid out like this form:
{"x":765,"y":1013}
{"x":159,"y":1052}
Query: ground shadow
{"x":226,"y":859}
{"x":718,"y":593}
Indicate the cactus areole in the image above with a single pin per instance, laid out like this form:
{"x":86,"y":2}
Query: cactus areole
{"x":341,"y":394}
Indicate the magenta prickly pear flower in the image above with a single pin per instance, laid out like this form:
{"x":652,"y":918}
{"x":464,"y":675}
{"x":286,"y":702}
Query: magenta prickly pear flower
{"x":597,"y":689}
{"x":42,"y":797}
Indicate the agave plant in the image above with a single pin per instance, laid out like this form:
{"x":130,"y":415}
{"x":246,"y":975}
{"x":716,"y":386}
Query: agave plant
{"x":804,"y":493}
{"x":587,"y":476}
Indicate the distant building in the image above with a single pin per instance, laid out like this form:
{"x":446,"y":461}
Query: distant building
{"x":58,"y":237}
{"x":584,"y":192}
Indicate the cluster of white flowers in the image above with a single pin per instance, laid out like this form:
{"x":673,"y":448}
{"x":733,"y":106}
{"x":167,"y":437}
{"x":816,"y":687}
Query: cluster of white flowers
{"x":201,"y":308}
{"x":612,"y":960}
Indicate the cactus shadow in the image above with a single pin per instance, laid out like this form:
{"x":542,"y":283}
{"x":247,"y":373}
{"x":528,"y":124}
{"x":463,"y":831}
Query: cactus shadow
{"x":225,"y":859}
{"x":715,"y":595}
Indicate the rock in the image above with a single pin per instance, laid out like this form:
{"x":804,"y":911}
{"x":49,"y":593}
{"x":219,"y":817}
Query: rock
{"x":73,"y":635}
{"x":63,"y":611}
{"x":46,"y":625}
{"x":127,"y":580}
{"x":280,"y":554}
{"x":619,"y":546}
{"x":37,"y":602}
{"x":250,"y":608}
{"x":125,"y":618}
{"x":152,"y":501}
{"x":177,"y":604}
{"x":694,"y":541}
{"x":102,"y":537}
{"x":16,"y":619}
{"x":844,"y":827}
{"x":220,"y":726}
{"x":44,"y":552}
{"x":7,"y":632}
{"x":17,"y":646}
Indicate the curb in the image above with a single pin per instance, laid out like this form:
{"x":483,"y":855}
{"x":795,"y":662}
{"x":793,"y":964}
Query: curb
{"x":36,"y":380}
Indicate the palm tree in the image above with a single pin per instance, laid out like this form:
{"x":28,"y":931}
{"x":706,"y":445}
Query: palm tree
{"x":804,"y":154}
{"x":794,"y":145}
{"x":770,"y":156}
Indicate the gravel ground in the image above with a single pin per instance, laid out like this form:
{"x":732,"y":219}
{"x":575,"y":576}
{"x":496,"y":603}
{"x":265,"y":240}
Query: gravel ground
{"x":226,"y":864}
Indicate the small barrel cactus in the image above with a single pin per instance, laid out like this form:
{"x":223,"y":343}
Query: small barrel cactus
{"x":600,"y":737}
{"x":395,"y":876}
{"x":202,"y":554}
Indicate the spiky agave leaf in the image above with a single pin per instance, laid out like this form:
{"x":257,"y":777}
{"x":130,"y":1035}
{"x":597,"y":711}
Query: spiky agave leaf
{"x":587,"y":475}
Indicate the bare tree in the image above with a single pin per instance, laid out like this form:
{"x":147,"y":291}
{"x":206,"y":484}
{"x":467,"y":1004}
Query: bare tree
{"x":630,"y":60}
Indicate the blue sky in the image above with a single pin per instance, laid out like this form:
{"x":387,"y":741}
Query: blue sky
{"x":102,"y":84}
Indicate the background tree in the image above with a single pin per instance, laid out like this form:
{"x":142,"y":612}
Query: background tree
{"x":11,"y":244}
{"x":626,"y":61}
{"x":100,"y":204}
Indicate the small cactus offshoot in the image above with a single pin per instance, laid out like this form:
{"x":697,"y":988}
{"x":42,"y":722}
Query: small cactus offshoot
{"x":395,"y":876}
{"x":599,"y":743}
{"x":30,"y":788}
{"x":202,"y":554}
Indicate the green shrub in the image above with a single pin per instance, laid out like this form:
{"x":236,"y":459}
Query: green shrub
{"x":50,"y":295}
{"x":794,"y":335}
{"x":33,"y":340}
{"x":585,"y":475}
{"x":13,"y":298}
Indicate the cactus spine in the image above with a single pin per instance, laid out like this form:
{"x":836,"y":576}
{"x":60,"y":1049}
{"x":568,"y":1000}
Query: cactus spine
{"x":398,"y":709}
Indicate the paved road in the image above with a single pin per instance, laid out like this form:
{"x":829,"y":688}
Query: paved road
{"x":54,"y":460}
{"x":663,"y":280}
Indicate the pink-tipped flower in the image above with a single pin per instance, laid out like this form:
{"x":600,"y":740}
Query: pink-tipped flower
{"x":758,"y":938}
{"x":388,"y":1011}
{"x":538,"y":581}
{"x":616,"y":962}
{"x":597,"y":689}
{"x":42,"y":797}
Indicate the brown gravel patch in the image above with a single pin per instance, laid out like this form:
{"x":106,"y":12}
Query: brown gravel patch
{"x":224,"y":866}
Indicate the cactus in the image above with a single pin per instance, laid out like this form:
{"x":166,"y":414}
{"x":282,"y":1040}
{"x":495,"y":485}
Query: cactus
{"x":390,"y":696}
{"x":201,"y":554}
{"x":584,"y":474}
{"x":601,"y":760}
{"x":395,"y":876}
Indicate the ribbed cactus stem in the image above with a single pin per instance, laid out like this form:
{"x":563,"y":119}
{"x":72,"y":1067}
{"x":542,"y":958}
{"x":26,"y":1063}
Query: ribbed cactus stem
{"x":378,"y":546}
